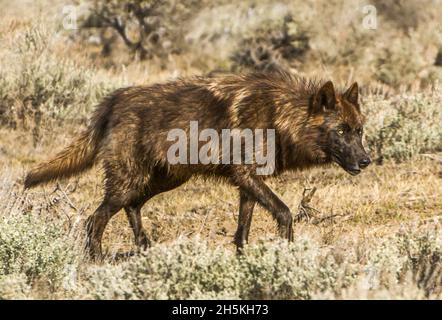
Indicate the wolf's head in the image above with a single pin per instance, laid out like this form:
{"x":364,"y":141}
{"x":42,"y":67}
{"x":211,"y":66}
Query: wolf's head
{"x":341,"y":127}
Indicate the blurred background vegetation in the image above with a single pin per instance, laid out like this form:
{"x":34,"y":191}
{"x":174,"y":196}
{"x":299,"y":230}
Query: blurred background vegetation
{"x":330,"y":38}
{"x":61,"y":59}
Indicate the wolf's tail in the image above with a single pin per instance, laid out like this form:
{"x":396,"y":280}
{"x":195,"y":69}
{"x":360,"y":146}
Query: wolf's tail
{"x":77,"y":157}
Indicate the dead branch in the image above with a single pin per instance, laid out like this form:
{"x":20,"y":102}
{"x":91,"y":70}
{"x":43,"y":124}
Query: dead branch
{"x":434,"y":157}
{"x":308,"y":213}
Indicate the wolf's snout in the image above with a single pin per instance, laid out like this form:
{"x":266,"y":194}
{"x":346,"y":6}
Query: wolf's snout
{"x":364,"y":162}
{"x":354,"y":170}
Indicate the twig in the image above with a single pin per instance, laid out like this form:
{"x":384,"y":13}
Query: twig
{"x":68,"y":200}
{"x":433,"y":157}
{"x":330,"y":217}
{"x":305,"y":211}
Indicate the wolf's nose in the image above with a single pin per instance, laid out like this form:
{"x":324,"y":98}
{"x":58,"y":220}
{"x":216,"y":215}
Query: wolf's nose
{"x":364,"y":162}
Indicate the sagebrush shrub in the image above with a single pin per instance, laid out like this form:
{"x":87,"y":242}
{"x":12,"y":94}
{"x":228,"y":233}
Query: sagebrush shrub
{"x":404,"y":125}
{"x":34,"y":247}
{"x":190,"y":269}
{"x":37,"y":247}
{"x":409,"y":258}
{"x":14,"y":286}
{"x":147,"y":28}
{"x":405,"y":60}
{"x":424,"y":259}
{"x":38,"y":85}
{"x":181,"y":270}
{"x":282,"y":270}
{"x":272,"y":48}
{"x":34,"y":244}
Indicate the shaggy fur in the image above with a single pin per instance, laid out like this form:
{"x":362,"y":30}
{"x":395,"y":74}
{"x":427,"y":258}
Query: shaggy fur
{"x":128,"y":133}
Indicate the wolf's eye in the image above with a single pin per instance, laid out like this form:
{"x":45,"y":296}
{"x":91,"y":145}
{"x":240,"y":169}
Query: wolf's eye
{"x":340,"y":132}
{"x":359,"y":132}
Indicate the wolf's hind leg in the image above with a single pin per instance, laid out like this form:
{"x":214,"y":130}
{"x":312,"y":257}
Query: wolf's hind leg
{"x":133,"y":214}
{"x":158,"y":183}
{"x":96,"y":224}
{"x":121,"y":190}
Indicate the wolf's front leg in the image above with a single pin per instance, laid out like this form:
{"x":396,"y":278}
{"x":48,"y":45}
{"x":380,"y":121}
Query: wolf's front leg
{"x":246,"y":205}
{"x":257,"y":190}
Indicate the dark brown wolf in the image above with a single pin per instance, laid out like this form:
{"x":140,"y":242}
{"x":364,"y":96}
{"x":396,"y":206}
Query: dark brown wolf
{"x":313,"y":124}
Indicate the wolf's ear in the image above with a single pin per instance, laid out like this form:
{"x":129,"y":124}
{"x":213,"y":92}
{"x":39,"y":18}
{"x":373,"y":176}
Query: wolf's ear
{"x":352,"y":93}
{"x":325,"y":98}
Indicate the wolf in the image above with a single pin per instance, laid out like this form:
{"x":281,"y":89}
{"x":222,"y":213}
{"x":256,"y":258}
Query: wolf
{"x":314,"y":125}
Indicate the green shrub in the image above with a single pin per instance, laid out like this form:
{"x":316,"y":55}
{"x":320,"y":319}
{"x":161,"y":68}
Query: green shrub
{"x":404,"y":125}
{"x":37,"y":248}
{"x":33,"y":243}
{"x":271,"y":48}
{"x":405,"y":61}
{"x":37,"y":85}
{"x":14,"y":286}
{"x":147,"y":28}
{"x":408,"y":259}
{"x":182,"y":269}
{"x":190,"y":269}
{"x":34,"y":247}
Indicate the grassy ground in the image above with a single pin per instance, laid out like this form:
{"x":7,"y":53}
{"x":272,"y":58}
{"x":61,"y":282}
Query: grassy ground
{"x":373,"y":203}
{"x":355,"y":215}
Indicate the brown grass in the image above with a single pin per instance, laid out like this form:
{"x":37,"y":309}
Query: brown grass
{"x":372,"y":204}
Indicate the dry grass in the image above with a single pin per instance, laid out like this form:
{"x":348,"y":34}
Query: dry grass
{"x":375,"y":202}
{"x":375,"y":245}
{"x":365,"y":212}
